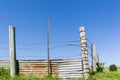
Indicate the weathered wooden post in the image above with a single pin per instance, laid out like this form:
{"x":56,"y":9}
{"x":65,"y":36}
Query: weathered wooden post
{"x":94,"y":57}
{"x":12,"y":50}
{"x":98,"y":60}
{"x":84,"y":52}
{"x":48,"y":46}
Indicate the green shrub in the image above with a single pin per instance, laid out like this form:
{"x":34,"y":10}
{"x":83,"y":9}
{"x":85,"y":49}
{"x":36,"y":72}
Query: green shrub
{"x":4,"y":71}
{"x":4,"y":74}
{"x":92,"y":73}
{"x":100,"y":67}
{"x":113,"y":67}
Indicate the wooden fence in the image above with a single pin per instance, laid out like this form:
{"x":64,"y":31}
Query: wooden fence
{"x":69,"y":68}
{"x":32,"y":67}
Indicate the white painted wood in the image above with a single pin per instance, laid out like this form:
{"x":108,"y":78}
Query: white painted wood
{"x":70,"y":68}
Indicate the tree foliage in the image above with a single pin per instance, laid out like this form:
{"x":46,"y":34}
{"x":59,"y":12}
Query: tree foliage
{"x":100,"y":67}
{"x":113,"y":67}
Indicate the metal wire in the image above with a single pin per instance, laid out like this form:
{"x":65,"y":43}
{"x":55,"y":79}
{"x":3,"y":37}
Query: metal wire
{"x":2,"y":42}
{"x":45,"y":43}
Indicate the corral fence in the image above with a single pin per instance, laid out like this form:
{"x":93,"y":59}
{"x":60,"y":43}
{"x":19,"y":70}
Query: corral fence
{"x":71,"y":68}
{"x":64,"y":68}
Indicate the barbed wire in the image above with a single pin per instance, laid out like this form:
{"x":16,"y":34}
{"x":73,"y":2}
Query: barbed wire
{"x":57,"y":57}
{"x":89,"y":53}
{"x":32,"y":49}
{"x":4,"y":56}
{"x":88,"y":40}
{"x":65,"y":45}
{"x":43,"y":49}
{"x":4,"y":48}
{"x":45,"y":43}
{"x":67,"y":56}
{"x":3,"y":42}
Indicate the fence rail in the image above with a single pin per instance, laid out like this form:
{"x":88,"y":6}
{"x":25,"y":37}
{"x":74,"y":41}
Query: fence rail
{"x":71,"y":68}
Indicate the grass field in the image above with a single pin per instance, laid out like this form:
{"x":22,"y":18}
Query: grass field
{"x":106,"y":75}
{"x":98,"y":76}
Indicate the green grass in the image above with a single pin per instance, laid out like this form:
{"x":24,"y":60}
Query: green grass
{"x":106,"y":76}
{"x":4,"y":75}
{"x":98,"y":76}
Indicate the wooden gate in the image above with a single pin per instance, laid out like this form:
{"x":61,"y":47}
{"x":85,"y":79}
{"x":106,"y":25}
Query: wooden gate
{"x":70,"y":68}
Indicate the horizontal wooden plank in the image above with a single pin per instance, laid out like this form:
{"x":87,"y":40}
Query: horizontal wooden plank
{"x":70,"y":68}
{"x":71,"y":60}
{"x":70,"y":76}
{"x":74,"y":65}
{"x":77,"y":72}
{"x":76,"y":62}
{"x":70,"y":63}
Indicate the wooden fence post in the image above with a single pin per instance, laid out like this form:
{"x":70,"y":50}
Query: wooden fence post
{"x":12,"y":50}
{"x":84,"y":52}
{"x":94,"y":57}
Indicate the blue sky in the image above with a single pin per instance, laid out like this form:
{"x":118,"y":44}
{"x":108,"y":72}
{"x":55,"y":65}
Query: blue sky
{"x":100,"y":18}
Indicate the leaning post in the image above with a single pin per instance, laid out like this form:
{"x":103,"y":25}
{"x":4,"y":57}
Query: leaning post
{"x":84,"y":52}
